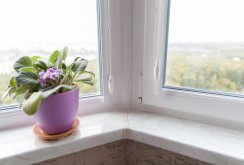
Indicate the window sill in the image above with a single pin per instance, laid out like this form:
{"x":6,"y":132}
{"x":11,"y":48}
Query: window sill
{"x":14,"y":117}
{"x":208,"y":143}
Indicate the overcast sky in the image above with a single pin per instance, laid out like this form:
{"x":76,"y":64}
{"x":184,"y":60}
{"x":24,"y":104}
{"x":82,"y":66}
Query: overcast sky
{"x":207,"y":21}
{"x":47,"y":22}
{"x":74,"y":21}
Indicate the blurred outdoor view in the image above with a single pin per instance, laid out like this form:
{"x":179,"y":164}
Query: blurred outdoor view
{"x":39,"y":27}
{"x":206,"y":45}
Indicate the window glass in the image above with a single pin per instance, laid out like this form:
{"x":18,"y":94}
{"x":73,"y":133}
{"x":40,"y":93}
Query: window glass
{"x":38,"y":27}
{"x":205,"y":50}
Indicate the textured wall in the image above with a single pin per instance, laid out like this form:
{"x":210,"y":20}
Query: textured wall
{"x":142,"y":154}
{"x":123,"y":152}
{"x":108,"y":154}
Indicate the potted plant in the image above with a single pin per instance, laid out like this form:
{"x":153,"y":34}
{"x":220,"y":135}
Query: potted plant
{"x":49,"y":90}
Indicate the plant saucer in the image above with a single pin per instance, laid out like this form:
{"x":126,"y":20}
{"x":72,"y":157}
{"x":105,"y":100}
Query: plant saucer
{"x":41,"y":134}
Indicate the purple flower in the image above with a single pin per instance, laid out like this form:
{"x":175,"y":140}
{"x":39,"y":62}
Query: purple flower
{"x":50,"y":77}
{"x":41,"y":74}
{"x":53,"y":76}
{"x":59,"y":71}
{"x":42,"y":82}
{"x":50,"y":70}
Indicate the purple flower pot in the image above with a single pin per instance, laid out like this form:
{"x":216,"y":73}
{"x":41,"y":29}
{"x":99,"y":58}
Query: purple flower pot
{"x":57,"y":113}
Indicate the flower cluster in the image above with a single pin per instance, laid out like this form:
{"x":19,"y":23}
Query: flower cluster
{"x":50,"y":77}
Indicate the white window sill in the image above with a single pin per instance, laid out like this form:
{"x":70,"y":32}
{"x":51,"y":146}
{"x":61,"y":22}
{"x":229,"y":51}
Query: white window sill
{"x":208,"y":143}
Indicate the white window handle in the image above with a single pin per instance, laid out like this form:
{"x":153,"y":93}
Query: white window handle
{"x":156,"y":71}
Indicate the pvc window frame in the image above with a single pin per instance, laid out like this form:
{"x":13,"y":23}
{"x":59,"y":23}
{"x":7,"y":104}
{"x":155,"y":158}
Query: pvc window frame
{"x":208,"y":105}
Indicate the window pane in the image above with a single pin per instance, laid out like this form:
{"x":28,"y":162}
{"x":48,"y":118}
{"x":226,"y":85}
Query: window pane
{"x":206,"y":45}
{"x":38,"y":27}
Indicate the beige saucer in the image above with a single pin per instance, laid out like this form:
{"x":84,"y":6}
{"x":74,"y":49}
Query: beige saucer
{"x":41,"y":134}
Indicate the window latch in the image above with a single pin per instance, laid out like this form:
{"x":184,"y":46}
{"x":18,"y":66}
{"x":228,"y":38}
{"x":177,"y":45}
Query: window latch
{"x":140,"y":88}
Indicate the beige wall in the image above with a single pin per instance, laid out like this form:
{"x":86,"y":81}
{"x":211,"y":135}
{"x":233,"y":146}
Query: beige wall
{"x":123,"y":152}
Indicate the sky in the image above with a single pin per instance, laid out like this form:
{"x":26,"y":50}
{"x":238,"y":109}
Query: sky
{"x":31,"y":25}
{"x":50,"y":22}
{"x":206,"y":21}
{"x":65,"y":22}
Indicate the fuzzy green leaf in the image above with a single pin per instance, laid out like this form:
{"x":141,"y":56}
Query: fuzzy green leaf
{"x":21,"y":90}
{"x":35,"y":58}
{"x":32,"y":104}
{"x":84,"y":77}
{"x":58,"y":62}
{"x":27,"y":79}
{"x":6,"y":92}
{"x":64,"y":66}
{"x":54,"y":57}
{"x":24,"y":61}
{"x":70,"y":66}
{"x":63,"y":53}
{"x":87,"y":72}
{"x":40,"y":64}
{"x":66,"y":79}
{"x":52,"y":91}
{"x":28,"y":69}
{"x":77,"y":58}
{"x":12,"y":81}
{"x":79,"y":65}
{"x":88,"y":82}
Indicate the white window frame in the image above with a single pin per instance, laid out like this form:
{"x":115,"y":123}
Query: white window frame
{"x":14,"y":117}
{"x":225,"y":108}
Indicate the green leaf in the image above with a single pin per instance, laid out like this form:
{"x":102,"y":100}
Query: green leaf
{"x":24,"y":61}
{"x":21,"y":90}
{"x":88,"y":82}
{"x":77,"y":58}
{"x":63,"y":53}
{"x":87,"y":72}
{"x":54,"y":57}
{"x":31,"y":105}
{"x":12,"y":81}
{"x":27,"y":79}
{"x":64,"y":66}
{"x":58,"y":62}
{"x":22,"y":98}
{"x":70,"y":66}
{"x":64,"y":71}
{"x":40,"y":64}
{"x":52,"y":91}
{"x":57,"y":57}
{"x":84,"y":77}
{"x":67,"y":79}
{"x":6,"y":92}
{"x":28,"y":69}
{"x":79,"y":65}
{"x":34,"y":58}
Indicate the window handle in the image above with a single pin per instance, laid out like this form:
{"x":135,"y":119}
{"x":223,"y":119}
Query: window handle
{"x":110,"y":84}
{"x":156,"y":71}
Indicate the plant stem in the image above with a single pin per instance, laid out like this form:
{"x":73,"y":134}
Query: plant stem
{"x":72,"y":79}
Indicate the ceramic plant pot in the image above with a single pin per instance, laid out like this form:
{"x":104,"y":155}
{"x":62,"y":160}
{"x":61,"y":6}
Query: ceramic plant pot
{"x":57,"y":113}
